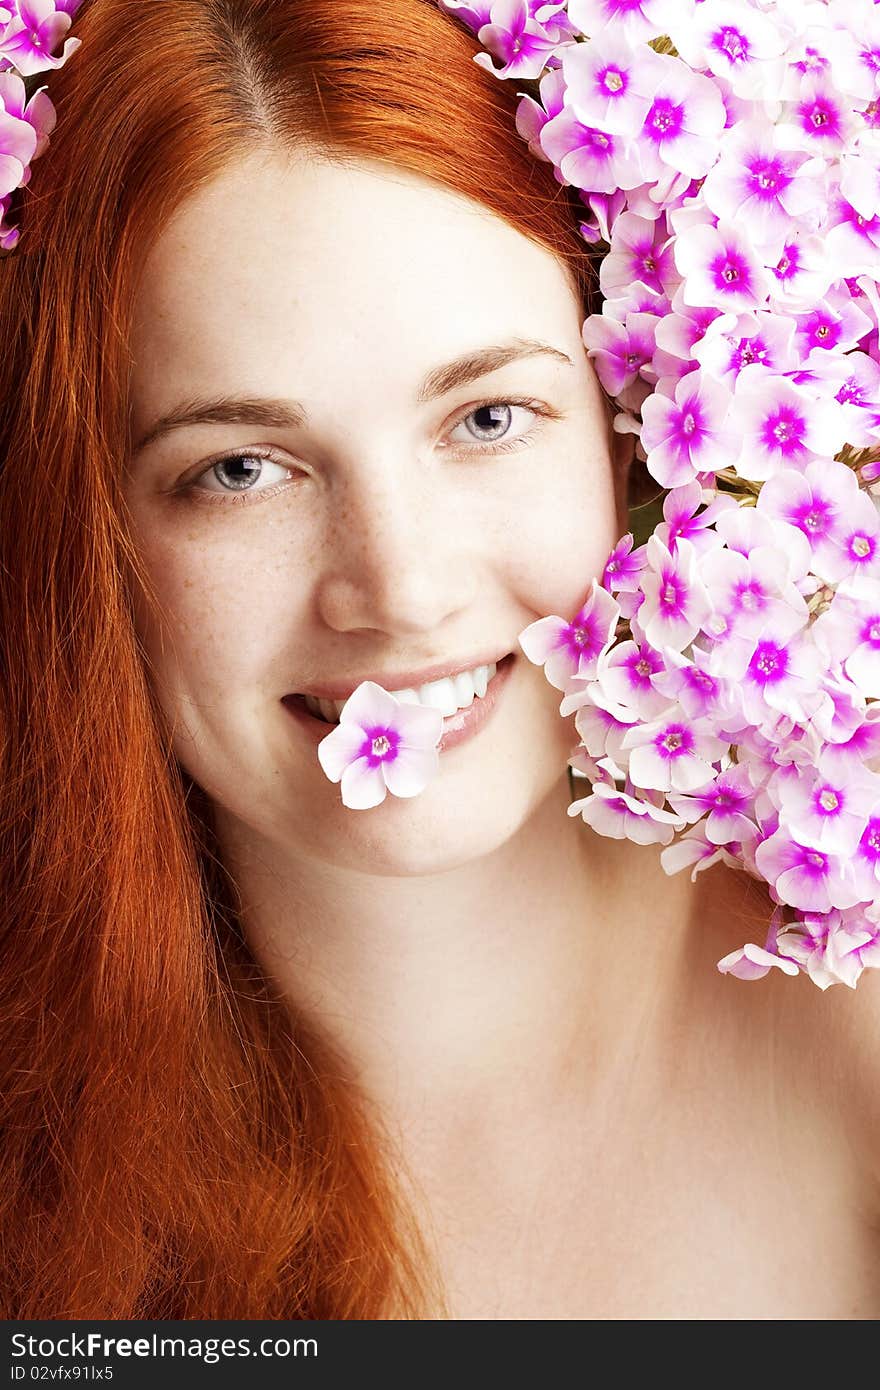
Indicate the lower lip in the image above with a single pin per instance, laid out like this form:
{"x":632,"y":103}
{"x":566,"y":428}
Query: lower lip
{"x":457,"y":728}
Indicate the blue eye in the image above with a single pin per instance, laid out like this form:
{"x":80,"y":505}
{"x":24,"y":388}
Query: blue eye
{"x":492,"y":423}
{"x":238,"y":472}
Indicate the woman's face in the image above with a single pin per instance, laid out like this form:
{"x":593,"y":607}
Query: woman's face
{"x":391,"y":522}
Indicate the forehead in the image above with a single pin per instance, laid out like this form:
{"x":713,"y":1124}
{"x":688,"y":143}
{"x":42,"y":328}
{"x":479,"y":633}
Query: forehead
{"x":318,"y":265}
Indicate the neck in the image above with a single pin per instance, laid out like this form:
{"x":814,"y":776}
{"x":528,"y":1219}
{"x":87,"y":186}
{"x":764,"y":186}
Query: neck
{"x":523,"y":972}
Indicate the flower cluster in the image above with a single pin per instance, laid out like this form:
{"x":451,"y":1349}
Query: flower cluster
{"x":725,"y":676}
{"x":30,"y":30}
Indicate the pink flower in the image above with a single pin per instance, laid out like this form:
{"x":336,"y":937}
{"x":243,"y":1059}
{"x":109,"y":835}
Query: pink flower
{"x":775,"y":671}
{"x":752,"y":962}
{"x":821,"y":502}
{"x":859,"y":396}
{"x":587,"y":156}
{"x":854,"y":49}
{"x":819,"y":120}
{"x":781,"y":425}
{"x":849,"y":632}
{"x":689,"y":434}
{"x":735,"y":42}
{"x":693,"y":851}
{"x":624,"y":566}
{"x":381,"y":744}
{"x":634,"y":20}
{"x":620,"y":816}
{"x":760,"y":337}
{"x":639,"y":253}
{"x":689,"y":684}
{"x":726,"y":803}
{"x":568,"y":649}
{"x":827,"y":811}
{"x":518,"y":38}
{"x":686,"y":519}
{"x":746,"y":591}
{"x":683,"y":123}
{"x":721,"y":268}
{"x":532,"y":116}
{"x":748,"y":528}
{"x":675,"y":604}
{"x":757,"y":185}
{"x":31,"y":36}
{"x":625,"y":677}
{"x":671,"y":752}
{"x":803,"y":270}
{"x":852,"y":238}
{"x":804,"y":877}
{"x":832,"y":947}
{"x":621,"y":351}
{"x":609,"y":82}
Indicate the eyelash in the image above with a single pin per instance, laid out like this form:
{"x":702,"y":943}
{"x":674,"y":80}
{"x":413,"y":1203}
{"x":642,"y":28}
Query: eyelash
{"x":243,"y":498}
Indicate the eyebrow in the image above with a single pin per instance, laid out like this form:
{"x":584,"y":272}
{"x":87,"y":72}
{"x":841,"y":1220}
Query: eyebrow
{"x":274,"y":413}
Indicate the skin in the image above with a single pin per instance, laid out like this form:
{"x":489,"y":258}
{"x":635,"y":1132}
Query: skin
{"x":471,"y":951}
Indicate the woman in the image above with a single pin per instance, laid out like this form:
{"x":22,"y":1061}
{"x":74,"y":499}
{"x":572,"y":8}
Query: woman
{"x":268,"y":1057}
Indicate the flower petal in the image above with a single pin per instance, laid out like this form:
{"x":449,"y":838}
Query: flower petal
{"x":411,"y":771}
{"x":340,"y":748}
{"x":363,"y":786}
{"x":370,"y":704}
{"x":419,"y":726}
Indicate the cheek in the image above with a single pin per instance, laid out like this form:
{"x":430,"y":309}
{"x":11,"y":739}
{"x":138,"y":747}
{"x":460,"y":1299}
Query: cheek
{"x":205,"y":629}
{"x":564,"y":538}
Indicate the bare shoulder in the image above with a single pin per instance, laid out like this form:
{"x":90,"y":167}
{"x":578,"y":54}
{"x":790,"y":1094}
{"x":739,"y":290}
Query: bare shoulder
{"x":823,"y":1045}
{"x":844,"y":1048}
{"x":831,"y":1044}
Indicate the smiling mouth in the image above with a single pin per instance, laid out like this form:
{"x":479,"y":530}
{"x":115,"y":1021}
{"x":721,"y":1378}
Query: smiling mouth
{"x":466,"y":695}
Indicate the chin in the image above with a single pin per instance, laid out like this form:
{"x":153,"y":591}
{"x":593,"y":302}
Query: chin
{"x":428,"y":834}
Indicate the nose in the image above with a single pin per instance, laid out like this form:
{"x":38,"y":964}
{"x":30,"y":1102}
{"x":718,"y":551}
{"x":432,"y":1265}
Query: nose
{"x":400,"y":555}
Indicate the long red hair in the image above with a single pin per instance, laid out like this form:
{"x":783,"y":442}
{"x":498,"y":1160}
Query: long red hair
{"x":173,"y":1143}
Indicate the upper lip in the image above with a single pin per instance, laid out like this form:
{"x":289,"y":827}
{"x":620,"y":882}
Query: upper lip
{"x":401,"y":680}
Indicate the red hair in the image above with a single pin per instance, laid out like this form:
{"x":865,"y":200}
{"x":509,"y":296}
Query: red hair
{"x":174,"y":1144}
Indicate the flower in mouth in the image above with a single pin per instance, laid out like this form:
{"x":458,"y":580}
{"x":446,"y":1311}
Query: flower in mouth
{"x":380,"y":745}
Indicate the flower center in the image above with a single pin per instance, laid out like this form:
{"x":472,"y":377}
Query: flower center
{"x":381,"y":746}
{"x":829,"y":800}
{"x":733,"y":44}
{"x":581,"y":636}
{"x":862,"y":546}
{"x":688,"y":424}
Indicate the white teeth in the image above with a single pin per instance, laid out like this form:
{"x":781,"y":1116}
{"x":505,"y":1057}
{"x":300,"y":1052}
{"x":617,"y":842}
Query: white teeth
{"x":325,"y":708}
{"x":465,"y":688}
{"x":439,"y":695}
{"x":449,"y":694}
